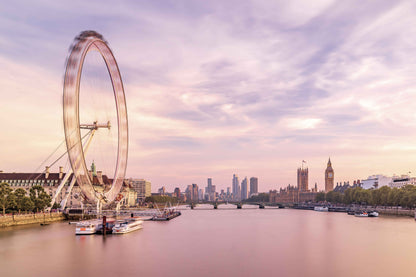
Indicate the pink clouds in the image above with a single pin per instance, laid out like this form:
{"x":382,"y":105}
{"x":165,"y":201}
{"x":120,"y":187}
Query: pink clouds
{"x":214,"y":90}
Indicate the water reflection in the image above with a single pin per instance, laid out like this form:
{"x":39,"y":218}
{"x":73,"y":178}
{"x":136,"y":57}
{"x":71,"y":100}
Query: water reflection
{"x":223,"y":242}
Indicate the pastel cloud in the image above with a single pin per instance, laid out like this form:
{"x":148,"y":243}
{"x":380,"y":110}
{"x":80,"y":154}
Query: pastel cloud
{"x":216,"y":88}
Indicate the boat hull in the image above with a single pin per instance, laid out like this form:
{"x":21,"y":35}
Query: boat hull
{"x":320,"y":209}
{"x":127,"y":226}
{"x":125,"y":231}
{"x":361,"y":215}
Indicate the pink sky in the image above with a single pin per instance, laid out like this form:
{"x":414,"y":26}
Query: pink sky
{"x":215,"y":89}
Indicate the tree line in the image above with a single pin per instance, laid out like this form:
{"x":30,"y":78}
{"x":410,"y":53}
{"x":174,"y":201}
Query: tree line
{"x":18,"y":200}
{"x":161,"y":199}
{"x":261,"y":197}
{"x":384,"y":196}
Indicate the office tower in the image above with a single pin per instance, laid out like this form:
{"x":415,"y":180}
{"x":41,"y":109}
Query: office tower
{"x":244,"y":190}
{"x":236,"y":188}
{"x":254,"y":186}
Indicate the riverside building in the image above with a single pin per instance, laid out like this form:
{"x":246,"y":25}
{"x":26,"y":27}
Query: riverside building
{"x":401,"y":181}
{"x":142,"y":187}
{"x":303,"y":176}
{"x":50,"y":182}
{"x":375,"y":182}
{"x":292,"y":194}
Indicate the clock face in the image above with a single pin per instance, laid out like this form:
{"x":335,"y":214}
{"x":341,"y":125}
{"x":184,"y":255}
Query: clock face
{"x":330,"y":175}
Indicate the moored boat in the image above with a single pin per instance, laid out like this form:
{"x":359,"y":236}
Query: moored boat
{"x":361,"y":214}
{"x":373,"y":214}
{"x":127,"y":226}
{"x":320,"y":209}
{"x":108,"y":227}
{"x":86,"y":227}
{"x":166,"y":215}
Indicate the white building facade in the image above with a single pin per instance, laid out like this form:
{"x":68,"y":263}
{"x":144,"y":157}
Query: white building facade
{"x":375,"y":182}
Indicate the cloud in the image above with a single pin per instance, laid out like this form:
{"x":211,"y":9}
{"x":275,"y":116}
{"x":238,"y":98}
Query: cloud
{"x":216,"y":88}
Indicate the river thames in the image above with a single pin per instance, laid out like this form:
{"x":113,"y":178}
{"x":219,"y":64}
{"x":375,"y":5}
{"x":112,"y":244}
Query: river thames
{"x":224,"y":242}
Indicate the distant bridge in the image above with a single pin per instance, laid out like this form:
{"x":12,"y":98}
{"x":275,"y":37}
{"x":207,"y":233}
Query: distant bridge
{"x":239,"y":205}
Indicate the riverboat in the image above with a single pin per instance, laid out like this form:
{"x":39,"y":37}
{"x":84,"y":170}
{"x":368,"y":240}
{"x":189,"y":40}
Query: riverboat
{"x":108,"y":227}
{"x":127,"y":226}
{"x":86,"y":227}
{"x":361,"y":214}
{"x":166,"y":215}
{"x":320,"y":209}
{"x":373,"y":214}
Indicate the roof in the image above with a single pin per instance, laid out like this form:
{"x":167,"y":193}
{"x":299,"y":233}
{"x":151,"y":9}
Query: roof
{"x":29,"y":176}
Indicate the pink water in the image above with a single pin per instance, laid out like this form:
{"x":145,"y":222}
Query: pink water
{"x":224,"y":242}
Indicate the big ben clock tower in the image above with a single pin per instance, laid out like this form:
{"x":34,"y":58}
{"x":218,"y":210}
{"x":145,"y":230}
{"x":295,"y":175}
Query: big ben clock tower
{"x":329,"y":177}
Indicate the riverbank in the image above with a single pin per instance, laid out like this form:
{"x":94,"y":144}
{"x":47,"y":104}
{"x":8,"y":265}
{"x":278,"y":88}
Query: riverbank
{"x":382,"y":210}
{"x":33,"y":218}
{"x":394,"y":211}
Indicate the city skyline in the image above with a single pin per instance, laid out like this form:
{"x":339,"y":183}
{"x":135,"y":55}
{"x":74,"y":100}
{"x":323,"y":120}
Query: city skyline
{"x":216,"y":89}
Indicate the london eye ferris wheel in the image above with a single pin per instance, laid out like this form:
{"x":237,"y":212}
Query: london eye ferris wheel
{"x":84,"y":43}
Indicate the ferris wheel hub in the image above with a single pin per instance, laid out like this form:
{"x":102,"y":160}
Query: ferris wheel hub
{"x":96,"y":125}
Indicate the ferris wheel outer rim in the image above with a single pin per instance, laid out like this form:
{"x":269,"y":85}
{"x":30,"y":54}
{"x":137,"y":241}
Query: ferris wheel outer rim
{"x":80,"y":48}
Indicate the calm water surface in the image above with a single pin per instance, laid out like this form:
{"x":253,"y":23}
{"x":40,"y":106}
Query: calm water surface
{"x":225,"y":242}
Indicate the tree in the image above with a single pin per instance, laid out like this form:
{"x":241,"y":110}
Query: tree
{"x":334,"y":197}
{"x":384,"y":194}
{"x":161,"y":199}
{"x":261,"y":197}
{"x":320,"y":197}
{"x":348,"y":199}
{"x":27,"y":204}
{"x":56,"y":205}
{"x":39,"y":197}
{"x":20,"y":194}
{"x":6,"y":197}
{"x":393,"y":197}
{"x":330,"y":197}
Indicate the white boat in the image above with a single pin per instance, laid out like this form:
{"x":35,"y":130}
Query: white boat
{"x":361,"y":214}
{"x":86,"y":227}
{"x":373,"y":214}
{"x":127,"y":226}
{"x":320,"y":209}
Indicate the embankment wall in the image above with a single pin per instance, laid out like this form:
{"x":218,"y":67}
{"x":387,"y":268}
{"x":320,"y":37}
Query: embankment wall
{"x":22,"y":219}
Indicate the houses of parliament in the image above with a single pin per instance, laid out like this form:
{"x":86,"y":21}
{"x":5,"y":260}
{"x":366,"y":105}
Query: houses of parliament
{"x":302,"y":193}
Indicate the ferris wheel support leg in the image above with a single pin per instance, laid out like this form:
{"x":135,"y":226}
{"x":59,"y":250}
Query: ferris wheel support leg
{"x":67,"y":193}
{"x":71,"y":185}
{"x":61,"y":185}
{"x":99,"y":207}
{"x":118,"y":208}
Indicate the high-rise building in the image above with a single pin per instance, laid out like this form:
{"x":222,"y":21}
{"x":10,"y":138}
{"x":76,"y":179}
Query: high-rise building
{"x":162,"y":190}
{"x":244,"y":189}
{"x":303,"y":179}
{"x":142,"y":187}
{"x":210,"y":190}
{"x":329,"y":177}
{"x":200,"y":194}
{"x":194,"y":193}
{"x":254,"y":186}
{"x":236,"y":188}
{"x":177,"y":193}
{"x":188,"y":193}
